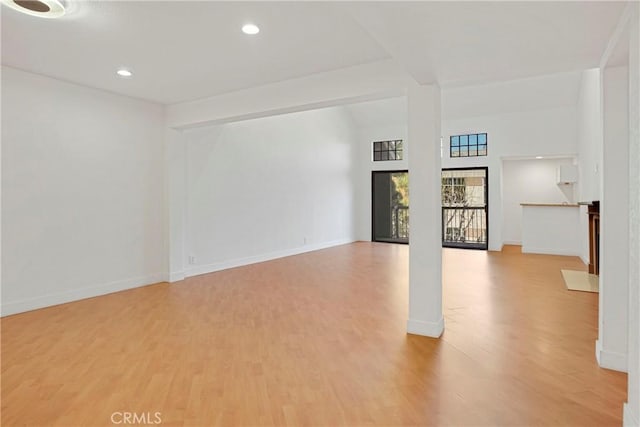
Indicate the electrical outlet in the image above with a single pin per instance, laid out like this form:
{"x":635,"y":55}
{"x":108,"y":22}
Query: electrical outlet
{"x":192,"y":259}
{"x":304,"y":240}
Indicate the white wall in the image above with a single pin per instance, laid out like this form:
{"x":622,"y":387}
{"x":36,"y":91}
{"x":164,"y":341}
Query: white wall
{"x":526,"y":133}
{"x":269,"y":187}
{"x":366,"y":136}
{"x":589,"y":148}
{"x":82,"y":192}
{"x":530,"y":181}
{"x":632,"y":408}
{"x":547,"y":132}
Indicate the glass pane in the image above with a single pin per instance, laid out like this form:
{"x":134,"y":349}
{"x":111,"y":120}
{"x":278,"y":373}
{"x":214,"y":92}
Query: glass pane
{"x":392,"y":145}
{"x":482,"y":150}
{"x":455,"y":141}
{"x":482,"y":138}
{"x":473,"y":139}
{"x":464,"y":151}
{"x":385,"y":145}
{"x":398,"y":154}
{"x":464,"y":140}
{"x":473,"y":151}
{"x":399,"y":145}
{"x":385,"y":155}
{"x":377,"y":146}
{"x":392,"y":155}
{"x":390,"y":205}
{"x":377,"y":156}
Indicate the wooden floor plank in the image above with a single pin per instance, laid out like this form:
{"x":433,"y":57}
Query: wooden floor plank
{"x":319,"y":339}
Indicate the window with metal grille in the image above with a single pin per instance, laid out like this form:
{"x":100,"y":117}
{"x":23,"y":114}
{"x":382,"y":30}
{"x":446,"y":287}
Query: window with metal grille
{"x":471,"y":145}
{"x":387,"y":150}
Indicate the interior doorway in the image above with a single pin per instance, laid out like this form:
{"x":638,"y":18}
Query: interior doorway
{"x":390,"y":206}
{"x":465,"y":208}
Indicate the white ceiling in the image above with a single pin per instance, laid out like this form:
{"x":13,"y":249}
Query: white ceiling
{"x":462,"y":43}
{"x":182,"y":51}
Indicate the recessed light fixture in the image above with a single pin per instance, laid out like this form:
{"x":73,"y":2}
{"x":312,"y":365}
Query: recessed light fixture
{"x":123,"y":72}
{"x":39,"y":8}
{"x":250,"y":29}
{"x":539,"y":157}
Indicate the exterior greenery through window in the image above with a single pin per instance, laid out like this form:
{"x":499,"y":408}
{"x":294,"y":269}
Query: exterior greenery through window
{"x":465,"y":208}
{"x":471,"y":145}
{"x":387,"y":150}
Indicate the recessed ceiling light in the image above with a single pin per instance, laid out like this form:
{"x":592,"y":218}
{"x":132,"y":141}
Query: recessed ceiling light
{"x":250,"y":29}
{"x":39,"y":8}
{"x":539,"y":157}
{"x":123,"y":72}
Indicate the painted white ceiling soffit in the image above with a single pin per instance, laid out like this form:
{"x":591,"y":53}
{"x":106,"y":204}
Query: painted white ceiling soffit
{"x":373,"y":81}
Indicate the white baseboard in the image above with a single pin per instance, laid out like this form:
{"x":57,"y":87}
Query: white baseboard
{"x":610,"y":360}
{"x":584,"y":260}
{"x":512,"y":242}
{"x":176,"y":276}
{"x":549,"y":251}
{"x":628,"y":419}
{"x":427,"y":329}
{"x":28,"y":304}
{"x":239,"y":262}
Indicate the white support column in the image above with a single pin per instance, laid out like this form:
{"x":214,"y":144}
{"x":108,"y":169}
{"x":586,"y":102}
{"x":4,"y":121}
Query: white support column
{"x":425,"y":249}
{"x":611,"y":347}
{"x":176,"y":158}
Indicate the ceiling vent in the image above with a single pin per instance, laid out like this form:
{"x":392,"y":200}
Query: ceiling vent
{"x":39,"y":8}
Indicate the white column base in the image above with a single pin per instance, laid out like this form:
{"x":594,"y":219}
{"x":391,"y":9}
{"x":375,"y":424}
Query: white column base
{"x":176,"y":276}
{"x":427,"y":329}
{"x":610,"y":360}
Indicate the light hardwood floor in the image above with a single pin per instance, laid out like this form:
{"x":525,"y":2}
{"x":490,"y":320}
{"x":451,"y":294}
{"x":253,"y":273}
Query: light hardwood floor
{"x":319,"y":339}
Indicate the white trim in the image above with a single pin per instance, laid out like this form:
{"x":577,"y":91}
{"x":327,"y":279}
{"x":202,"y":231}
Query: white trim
{"x":621,"y":26}
{"x":549,"y":251}
{"x":177,"y":276}
{"x":584,"y":260}
{"x":28,"y":304}
{"x":427,"y":329}
{"x":512,"y":242}
{"x":239,"y":262}
{"x":499,"y":248}
{"x":628,"y":419}
{"x":610,"y":360}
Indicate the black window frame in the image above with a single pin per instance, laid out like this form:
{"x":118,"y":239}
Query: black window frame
{"x":466,"y":148}
{"x":389,"y":150}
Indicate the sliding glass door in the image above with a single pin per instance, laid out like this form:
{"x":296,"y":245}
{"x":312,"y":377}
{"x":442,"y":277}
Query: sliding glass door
{"x":465,"y":208}
{"x":390,"y":206}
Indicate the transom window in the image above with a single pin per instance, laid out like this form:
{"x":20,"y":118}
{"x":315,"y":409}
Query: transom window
{"x":470,"y":145}
{"x":387,"y":150}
